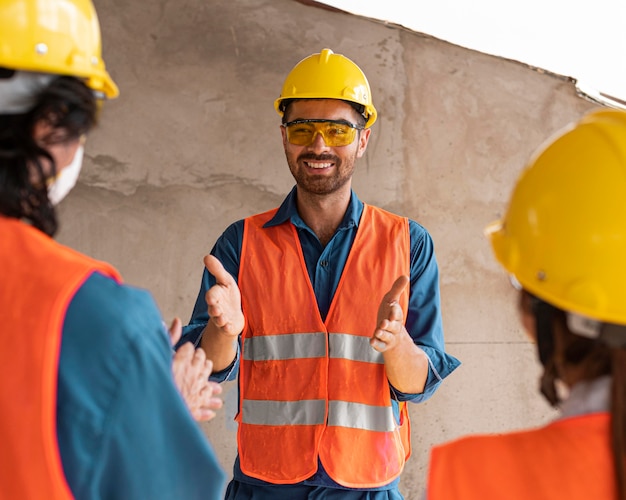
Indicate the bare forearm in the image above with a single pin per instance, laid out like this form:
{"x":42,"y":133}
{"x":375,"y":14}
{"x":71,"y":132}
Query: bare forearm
{"x":219,"y":347}
{"x":406,"y":366}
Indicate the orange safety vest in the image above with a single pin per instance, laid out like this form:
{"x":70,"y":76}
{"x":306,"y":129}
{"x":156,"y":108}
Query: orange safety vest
{"x":38,"y":278}
{"x":311,"y":388}
{"x":568,"y":459}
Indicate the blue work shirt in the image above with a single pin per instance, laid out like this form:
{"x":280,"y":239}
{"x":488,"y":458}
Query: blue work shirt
{"x":123,"y":429}
{"x":325,"y":265}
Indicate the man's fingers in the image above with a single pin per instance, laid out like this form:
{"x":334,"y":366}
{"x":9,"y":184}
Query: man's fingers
{"x":395,"y":312}
{"x":185,"y":351}
{"x":378,"y":344}
{"x":216,"y":389}
{"x":208,"y":366}
{"x":215,"y":267}
{"x":397,"y":288}
{"x":176,"y":330}
{"x":199,"y":358}
{"x":203,"y":410}
{"x":202,"y":415}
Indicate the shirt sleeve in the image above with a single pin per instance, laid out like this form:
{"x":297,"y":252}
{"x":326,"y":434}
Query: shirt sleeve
{"x":424,"y":322}
{"x":227,"y":250}
{"x":123,"y":429}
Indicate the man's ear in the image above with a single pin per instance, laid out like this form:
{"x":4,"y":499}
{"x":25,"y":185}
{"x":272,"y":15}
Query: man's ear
{"x":364,"y":136}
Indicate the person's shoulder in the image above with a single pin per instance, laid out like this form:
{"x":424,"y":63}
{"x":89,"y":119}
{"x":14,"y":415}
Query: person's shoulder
{"x":418,"y":228}
{"x":232,"y":230}
{"x":229,"y":242}
{"x":390,"y":213}
{"x":107,"y":305}
{"x":420,"y":236}
{"x":99,"y":286}
{"x":379,"y":210}
{"x":465,"y":443}
{"x":109,"y":330}
{"x":496,"y":443}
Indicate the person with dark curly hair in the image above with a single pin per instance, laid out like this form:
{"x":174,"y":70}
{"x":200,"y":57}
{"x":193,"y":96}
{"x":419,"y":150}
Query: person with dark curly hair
{"x":83,"y":354}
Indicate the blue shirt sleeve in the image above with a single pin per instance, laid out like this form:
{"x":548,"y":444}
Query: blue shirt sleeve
{"x":227,"y":249}
{"x":423,"y":321}
{"x":123,"y":429}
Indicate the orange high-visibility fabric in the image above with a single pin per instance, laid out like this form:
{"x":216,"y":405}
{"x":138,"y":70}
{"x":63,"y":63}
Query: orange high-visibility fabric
{"x":567,"y":459}
{"x":278,"y":299}
{"x":39,"y":277}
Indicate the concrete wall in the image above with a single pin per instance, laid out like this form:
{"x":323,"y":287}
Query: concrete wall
{"x":193,"y":144}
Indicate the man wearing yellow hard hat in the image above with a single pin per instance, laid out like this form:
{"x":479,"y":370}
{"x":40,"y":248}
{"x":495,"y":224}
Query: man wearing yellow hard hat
{"x":563,"y":242}
{"x":326,"y":308}
{"x":89,"y":406}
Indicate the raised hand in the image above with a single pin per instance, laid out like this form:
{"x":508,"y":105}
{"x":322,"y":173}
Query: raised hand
{"x":191,"y":370}
{"x":224,"y":299}
{"x":390,"y":321}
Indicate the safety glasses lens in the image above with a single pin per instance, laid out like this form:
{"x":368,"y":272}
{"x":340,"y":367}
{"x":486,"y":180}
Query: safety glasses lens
{"x":304,"y":132}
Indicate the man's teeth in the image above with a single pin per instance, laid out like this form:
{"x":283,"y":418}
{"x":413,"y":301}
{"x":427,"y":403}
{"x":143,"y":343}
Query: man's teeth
{"x":319,"y":165}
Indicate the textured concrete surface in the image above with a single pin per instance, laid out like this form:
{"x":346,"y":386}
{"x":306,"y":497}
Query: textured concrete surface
{"x":193,"y":144}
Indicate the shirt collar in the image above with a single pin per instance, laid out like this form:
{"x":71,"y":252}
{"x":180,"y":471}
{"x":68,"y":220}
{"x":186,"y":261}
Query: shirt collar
{"x":588,"y":397}
{"x":288,"y":212}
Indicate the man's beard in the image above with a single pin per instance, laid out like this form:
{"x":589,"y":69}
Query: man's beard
{"x":322,"y":184}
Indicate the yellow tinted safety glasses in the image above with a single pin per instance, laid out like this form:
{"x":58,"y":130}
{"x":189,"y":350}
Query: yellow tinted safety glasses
{"x":334,"y":132}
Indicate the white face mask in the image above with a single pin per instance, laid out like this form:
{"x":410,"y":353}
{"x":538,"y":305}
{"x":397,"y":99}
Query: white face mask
{"x":66,"y":180}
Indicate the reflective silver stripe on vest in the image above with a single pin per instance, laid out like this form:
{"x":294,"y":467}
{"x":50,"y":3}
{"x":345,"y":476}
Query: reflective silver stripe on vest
{"x":286,"y":346}
{"x":310,"y":345}
{"x":353,"y":347}
{"x":305,"y":412}
{"x":360,"y":416}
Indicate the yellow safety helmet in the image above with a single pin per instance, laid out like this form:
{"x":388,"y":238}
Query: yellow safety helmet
{"x":54,"y":36}
{"x":563,"y":236}
{"x":328,"y":76}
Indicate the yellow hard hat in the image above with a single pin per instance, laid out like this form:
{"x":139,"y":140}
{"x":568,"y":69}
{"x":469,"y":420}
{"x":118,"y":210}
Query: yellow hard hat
{"x":328,"y":76}
{"x":563,"y":236}
{"x":54,"y":36}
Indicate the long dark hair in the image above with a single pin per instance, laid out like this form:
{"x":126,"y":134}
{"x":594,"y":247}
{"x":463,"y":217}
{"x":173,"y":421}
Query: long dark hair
{"x":597,"y":358}
{"x":69,"y":107}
